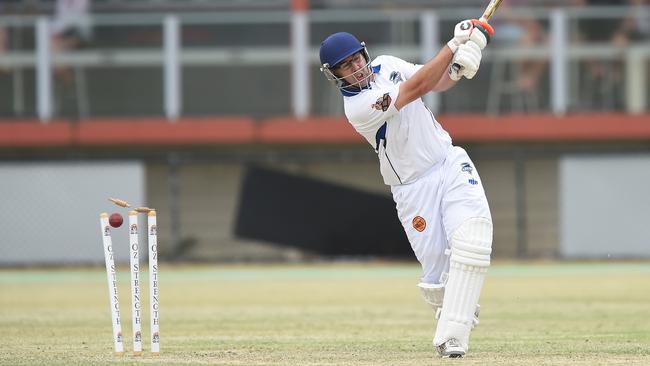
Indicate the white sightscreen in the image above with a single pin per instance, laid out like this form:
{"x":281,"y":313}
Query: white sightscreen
{"x":50,"y":211}
{"x":605,"y":206}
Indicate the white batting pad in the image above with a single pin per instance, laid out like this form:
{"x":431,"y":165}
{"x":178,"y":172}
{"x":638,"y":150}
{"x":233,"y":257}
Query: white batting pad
{"x":471,"y":245}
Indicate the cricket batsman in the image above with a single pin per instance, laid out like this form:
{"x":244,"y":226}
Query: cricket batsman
{"x":437,"y":190}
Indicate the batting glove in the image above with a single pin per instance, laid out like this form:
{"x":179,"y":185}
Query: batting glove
{"x":471,"y":30}
{"x":468,"y":57}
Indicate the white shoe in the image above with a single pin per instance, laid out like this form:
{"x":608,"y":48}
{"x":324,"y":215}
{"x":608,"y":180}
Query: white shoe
{"x":451,"y":349}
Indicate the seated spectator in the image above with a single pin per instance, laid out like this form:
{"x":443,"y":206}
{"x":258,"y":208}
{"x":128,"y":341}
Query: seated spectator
{"x":70,"y":29}
{"x":602,"y":84}
{"x":523,"y":32}
{"x":531,"y":34}
{"x":71,"y":24}
{"x":636,"y":27}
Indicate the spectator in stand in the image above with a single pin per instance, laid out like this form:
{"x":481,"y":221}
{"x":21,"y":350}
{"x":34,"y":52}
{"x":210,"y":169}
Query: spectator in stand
{"x":517,"y":79}
{"x":525,"y":32}
{"x":71,"y":29}
{"x":637,"y":25}
{"x":602,"y":84}
{"x":71,"y":24}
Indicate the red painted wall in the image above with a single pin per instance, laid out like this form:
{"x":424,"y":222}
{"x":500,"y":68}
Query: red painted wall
{"x":326,"y":130}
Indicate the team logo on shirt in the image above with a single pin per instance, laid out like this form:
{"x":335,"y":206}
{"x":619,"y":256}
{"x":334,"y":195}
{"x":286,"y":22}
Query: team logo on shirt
{"x":396,"y":77}
{"x":419,"y":223}
{"x":382,"y":103}
{"x":466,"y":167}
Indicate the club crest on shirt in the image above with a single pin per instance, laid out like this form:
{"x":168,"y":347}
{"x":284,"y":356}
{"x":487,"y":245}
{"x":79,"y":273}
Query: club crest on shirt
{"x":466,"y":167}
{"x":382,"y":103}
{"x":419,"y":223}
{"x":396,"y":77}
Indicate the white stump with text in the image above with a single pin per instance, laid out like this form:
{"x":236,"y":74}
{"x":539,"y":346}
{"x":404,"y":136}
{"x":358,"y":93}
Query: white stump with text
{"x":111,"y":275}
{"x":136,"y":311}
{"x":153,"y":281}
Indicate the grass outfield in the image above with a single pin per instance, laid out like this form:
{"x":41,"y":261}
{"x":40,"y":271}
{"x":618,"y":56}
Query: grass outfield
{"x":332,"y":314}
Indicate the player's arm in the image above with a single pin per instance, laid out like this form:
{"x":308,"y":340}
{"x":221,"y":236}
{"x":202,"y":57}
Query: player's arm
{"x":425,"y":79}
{"x":445,"y":83}
{"x":468,"y":57}
{"x":470,"y":36}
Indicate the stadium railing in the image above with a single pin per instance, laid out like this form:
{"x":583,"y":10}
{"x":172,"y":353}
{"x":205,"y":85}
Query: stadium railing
{"x":410,"y":34}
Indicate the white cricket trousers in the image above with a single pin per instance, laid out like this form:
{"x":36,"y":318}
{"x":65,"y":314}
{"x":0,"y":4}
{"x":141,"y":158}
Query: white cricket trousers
{"x":432,"y":207}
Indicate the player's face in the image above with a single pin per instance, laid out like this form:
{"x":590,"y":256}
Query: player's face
{"x":354,"y":70}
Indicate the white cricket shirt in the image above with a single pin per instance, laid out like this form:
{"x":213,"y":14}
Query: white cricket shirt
{"x":408,"y":142}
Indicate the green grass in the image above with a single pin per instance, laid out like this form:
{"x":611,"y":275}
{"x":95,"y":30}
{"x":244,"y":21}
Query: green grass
{"x":330,"y":314}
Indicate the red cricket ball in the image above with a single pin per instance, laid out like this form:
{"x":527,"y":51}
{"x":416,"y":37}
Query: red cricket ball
{"x":115,"y":220}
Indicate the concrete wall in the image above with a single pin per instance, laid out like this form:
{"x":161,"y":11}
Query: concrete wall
{"x":542,"y":208}
{"x":499,"y":182}
{"x":208,"y":199}
{"x":605,"y":206}
{"x":209,"y":194}
{"x":50,"y":210}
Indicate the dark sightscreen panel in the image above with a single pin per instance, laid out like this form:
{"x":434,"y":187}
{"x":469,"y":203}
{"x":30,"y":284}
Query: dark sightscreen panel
{"x":318,"y":216}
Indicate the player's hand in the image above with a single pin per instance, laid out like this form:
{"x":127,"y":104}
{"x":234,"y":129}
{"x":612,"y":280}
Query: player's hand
{"x":471,"y":29}
{"x":468,"y":57}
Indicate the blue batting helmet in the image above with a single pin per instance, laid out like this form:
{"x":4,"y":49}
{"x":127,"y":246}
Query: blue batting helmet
{"x":338,"y":47}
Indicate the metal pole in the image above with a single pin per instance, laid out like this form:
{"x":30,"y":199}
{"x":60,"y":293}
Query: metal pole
{"x":635,"y":81}
{"x":43,"y":70}
{"x":300,"y":86}
{"x":559,"y":61}
{"x":430,"y":42}
{"x":172,"y":69}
